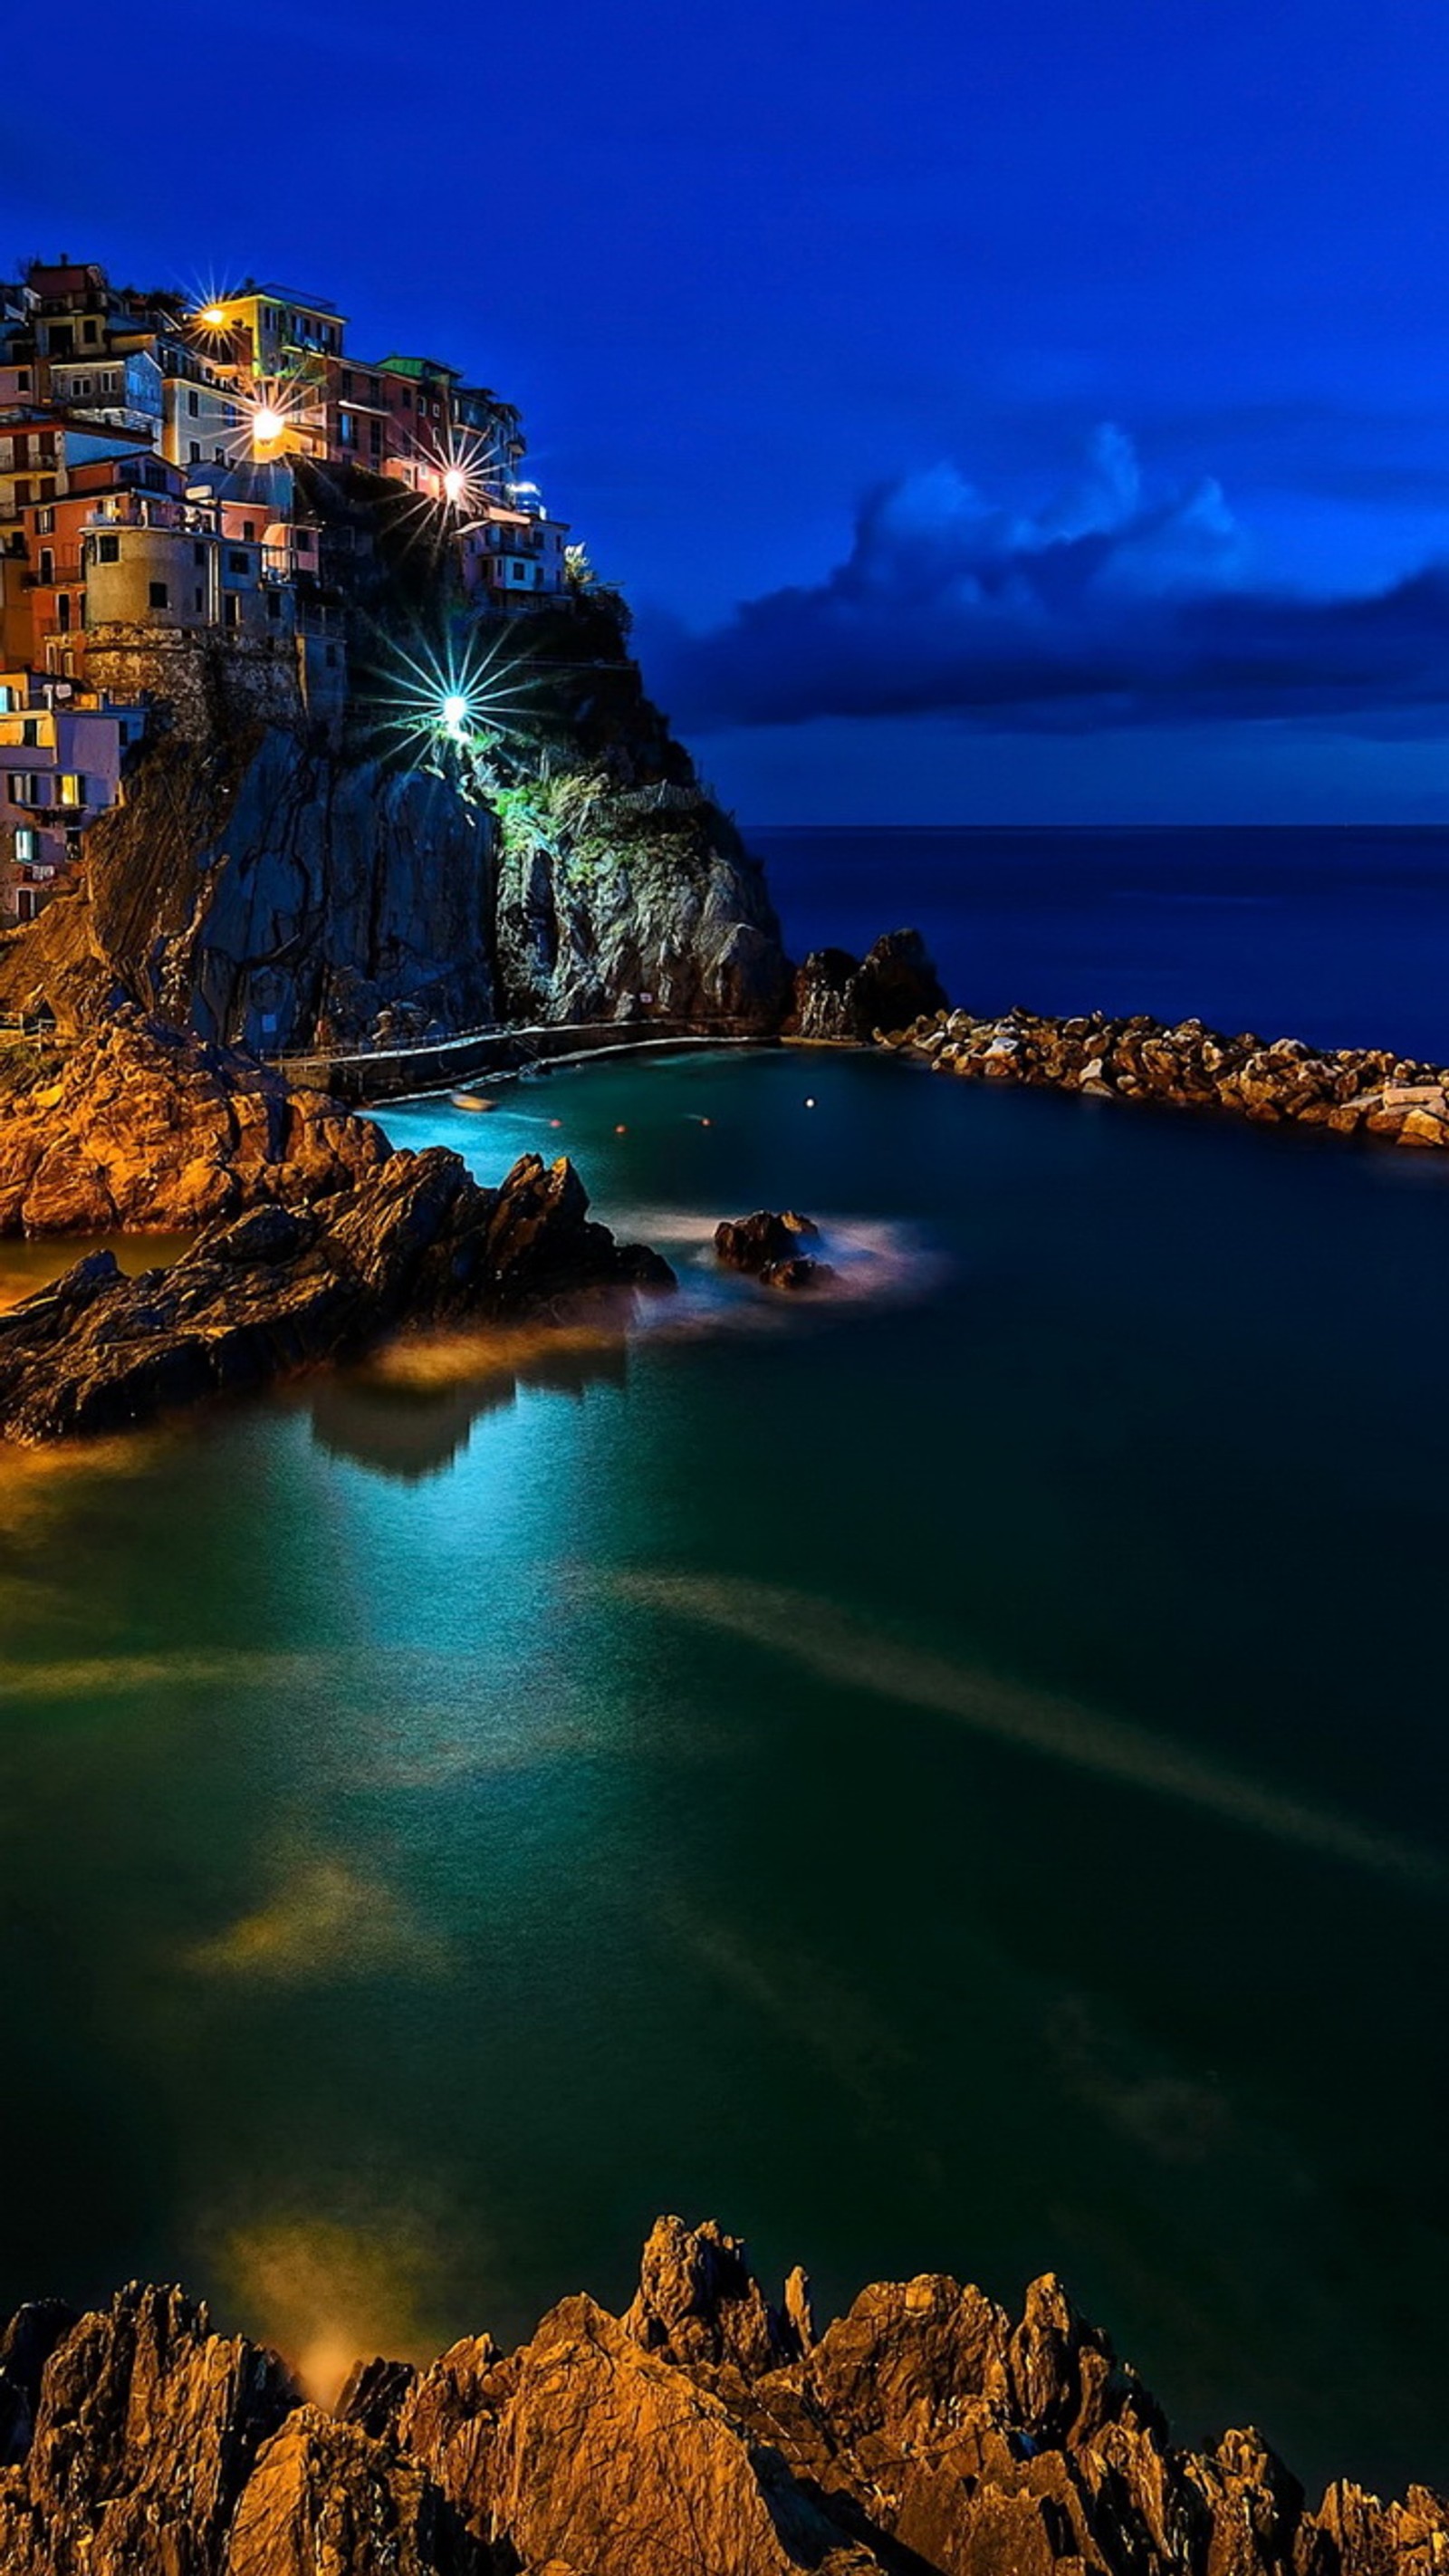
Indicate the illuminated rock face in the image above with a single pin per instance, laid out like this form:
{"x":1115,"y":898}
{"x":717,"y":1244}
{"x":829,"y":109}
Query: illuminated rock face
{"x":705,"y":2433}
{"x":286,"y":899}
{"x":150,"y":1130}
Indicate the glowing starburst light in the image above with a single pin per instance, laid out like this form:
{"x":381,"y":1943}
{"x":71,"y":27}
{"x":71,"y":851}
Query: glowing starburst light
{"x":214,"y":316}
{"x":463,"y":697}
{"x":455,"y":485}
{"x":268,"y":425}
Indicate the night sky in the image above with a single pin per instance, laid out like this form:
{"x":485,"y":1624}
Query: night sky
{"x":1031,"y":412}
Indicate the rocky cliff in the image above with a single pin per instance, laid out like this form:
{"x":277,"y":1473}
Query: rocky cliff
{"x":145,"y":1129}
{"x":704,"y":2433}
{"x":281,"y":891}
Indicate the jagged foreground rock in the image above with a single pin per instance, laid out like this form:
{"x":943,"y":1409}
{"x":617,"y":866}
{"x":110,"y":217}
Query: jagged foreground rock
{"x":1351,"y":1091}
{"x":415,"y":1241}
{"x":147,"y":1129}
{"x":704,"y":2433}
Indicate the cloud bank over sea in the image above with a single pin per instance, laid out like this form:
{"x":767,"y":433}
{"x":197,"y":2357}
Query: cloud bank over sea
{"x":1115,"y":602}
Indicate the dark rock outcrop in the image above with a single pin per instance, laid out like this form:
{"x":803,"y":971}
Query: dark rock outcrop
{"x":1350,"y":1091}
{"x":767,"y":1246}
{"x":146,"y":1129}
{"x":704,"y":2433}
{"x":416,"y":1241}
{"x":753,"y":1243}
{"x":848,"y":1000}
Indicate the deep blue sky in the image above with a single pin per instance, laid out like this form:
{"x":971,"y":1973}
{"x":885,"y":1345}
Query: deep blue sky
{"x":834,"y":302}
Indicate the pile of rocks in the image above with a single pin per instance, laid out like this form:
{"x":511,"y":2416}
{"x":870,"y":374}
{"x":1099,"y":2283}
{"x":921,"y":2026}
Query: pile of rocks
{"x":416,"y":1241}
{"x":703,"y":2433}
{"x":1349,"y":1090}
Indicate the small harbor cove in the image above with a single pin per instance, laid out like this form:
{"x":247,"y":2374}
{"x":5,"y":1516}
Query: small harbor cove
{"x":946,"y":1775}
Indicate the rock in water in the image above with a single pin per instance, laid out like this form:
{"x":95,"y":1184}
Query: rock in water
{"x":707,"y":2432}
{"x":416,"y":1240}
{"x":847,"y":1000}
{"x":754,"y":1243}
{"x":148,"y":1129}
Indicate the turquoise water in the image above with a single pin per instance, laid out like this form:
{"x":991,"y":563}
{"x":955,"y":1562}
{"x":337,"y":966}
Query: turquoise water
{"x":950,"y":1778}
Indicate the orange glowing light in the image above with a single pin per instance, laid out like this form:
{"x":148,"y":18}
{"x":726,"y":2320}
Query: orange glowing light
{"x":267,"y":425}
{"x":214,"y":316}
{"x":621,"y":1131}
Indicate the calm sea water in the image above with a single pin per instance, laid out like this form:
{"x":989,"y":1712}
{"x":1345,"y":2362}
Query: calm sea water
{"x":955,"y":1778}
{"x":1340,"y":936}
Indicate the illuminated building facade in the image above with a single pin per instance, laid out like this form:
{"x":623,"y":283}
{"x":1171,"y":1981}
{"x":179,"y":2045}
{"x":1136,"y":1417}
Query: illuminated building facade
{"x":152,"y":446}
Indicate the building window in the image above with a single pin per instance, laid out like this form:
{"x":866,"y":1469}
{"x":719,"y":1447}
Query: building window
{"x":195,"y":451}
{"x":231,"y":611}
{"x":198,"y":602}
{"x":47,"y":567}
{"x":193,"y":403}
{"x":72,"y":788}
{"x":45,"y":523}
{"x":24,"y":844}
{"x":108,"y":549}
{"x":160,"y":595}
{"x":238,"y":562}
{"x":198,"y":554}
{"x":30,"y":733}
{"x":90,"y":331}
{"x":23,"y":381}
{"x":249,"y":530}
{"x":274,"y":605}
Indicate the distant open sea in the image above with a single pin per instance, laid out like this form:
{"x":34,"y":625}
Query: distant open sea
{"x":1340,"y":934}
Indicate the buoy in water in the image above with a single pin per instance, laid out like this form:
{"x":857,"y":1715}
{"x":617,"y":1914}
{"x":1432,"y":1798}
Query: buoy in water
{"x":470,"y":1100}
{"x":555,"y":1122}
{"x":621,"y":1131}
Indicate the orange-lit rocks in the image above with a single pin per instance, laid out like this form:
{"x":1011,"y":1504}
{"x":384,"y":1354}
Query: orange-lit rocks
{"x":705,"y":2432}
{"x":1348,"y":1090}
{"x":151,"y":1130}
{"x":416,"y":1241}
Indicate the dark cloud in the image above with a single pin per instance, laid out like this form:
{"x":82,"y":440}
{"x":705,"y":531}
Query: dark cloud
{"x":1111,"y":605}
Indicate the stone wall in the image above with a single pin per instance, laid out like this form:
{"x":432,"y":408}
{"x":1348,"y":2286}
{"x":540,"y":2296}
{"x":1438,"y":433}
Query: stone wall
{"x":204,"y":686}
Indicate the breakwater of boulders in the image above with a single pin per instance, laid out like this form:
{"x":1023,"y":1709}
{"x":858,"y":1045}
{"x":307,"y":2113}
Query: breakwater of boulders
{"x":1351,"y":1091}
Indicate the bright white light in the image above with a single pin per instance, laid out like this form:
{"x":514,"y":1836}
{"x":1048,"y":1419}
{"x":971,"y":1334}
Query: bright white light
{"x":213,"y":315}
{"x":455,"y":484}
{"x":455,"y":715}
{"x":267,"y":425}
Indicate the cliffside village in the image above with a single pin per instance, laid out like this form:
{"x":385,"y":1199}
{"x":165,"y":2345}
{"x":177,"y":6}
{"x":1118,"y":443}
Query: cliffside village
{"x":161,"y":462}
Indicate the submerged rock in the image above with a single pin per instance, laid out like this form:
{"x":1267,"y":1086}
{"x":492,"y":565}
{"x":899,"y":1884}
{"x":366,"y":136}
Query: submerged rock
{"x":148,"y":1129}
{"x":417,"y":1240}
{"x":842,"y":998}
{"x":706,"y":2432}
